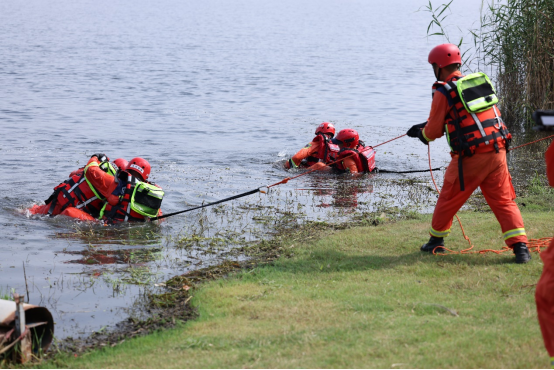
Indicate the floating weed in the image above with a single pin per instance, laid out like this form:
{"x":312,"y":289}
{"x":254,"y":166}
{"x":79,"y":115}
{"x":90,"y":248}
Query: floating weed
{"x":140,"y":275}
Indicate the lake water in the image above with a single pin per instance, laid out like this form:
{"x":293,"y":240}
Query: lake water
{"x":215,"y":94}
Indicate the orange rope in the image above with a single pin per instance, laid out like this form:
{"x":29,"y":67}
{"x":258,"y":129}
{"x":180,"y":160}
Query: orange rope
{"x":534,"y":245}
{"x":388,"y":141}
{"x":532,"y":142}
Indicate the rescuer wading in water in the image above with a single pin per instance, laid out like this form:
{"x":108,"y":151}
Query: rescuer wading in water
{"x":353,"y":157}
{"x":320,"y":150}
{"x":464,"y":107}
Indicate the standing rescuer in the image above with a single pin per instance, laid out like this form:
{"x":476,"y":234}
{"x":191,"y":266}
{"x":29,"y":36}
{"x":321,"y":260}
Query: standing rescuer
{"x":544,"y":295}
{"x":464,"y":107}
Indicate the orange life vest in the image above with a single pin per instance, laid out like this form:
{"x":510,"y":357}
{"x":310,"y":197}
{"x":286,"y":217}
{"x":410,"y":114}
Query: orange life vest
{"x":327,"y":153}
{"x":470,"y":133}
{"x":74,"y":192}
{"x":363,"y":156}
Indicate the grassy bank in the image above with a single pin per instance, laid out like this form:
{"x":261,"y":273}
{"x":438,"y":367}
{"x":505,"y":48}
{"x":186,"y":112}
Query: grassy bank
{"x":361,"y":297}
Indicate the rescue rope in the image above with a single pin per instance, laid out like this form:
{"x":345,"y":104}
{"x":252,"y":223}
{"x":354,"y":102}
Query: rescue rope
{"x":388,"y":141}
{"x":284,"y":181}
{"x":532,"y":142}
{"x":208,"y":204}
{"x":534,"y":245}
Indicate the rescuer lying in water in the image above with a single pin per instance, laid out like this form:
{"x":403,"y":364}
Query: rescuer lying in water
{"x":105,"y":191}
{"x":320,"y":150}
{"x":353,"y":157}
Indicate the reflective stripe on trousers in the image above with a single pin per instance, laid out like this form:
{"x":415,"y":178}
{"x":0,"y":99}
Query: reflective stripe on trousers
{"x":439,"y":234}
{"x":515,"y":232}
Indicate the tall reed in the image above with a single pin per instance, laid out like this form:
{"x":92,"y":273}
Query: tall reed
{"x":515,"y":41}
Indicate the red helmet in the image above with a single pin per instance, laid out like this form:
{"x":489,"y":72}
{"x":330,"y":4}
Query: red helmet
{"x":121,"y":163}
{"x":348,"y":137}
{"x":325,"y":128}
{"x":445,"y":55}
{"x":140,"y":167}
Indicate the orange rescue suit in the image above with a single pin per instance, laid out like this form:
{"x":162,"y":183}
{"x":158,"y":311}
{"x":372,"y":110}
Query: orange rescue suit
{"x":486,"y":169}
{"x":544,"y":295}
{"x":320,"y":149}
{"x":106,"y":185}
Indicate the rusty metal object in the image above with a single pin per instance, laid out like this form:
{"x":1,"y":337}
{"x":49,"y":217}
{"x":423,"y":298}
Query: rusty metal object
{"x":25,"y":328}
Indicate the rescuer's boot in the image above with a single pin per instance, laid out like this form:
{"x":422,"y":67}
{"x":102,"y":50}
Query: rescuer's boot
{"x":432,"y":244}
{"x":522,"y":252}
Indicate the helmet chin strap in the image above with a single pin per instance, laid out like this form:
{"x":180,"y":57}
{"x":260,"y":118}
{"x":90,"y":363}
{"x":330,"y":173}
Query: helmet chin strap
{"x":438,"y":74}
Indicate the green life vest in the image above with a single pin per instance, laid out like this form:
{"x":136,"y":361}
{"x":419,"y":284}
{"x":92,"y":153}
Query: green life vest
{"x":146,"y":199}
{"x":476,"y":92}
{"x":139,"y":198}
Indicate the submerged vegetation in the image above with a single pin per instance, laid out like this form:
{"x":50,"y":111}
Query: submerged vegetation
{"x":515,"y":40}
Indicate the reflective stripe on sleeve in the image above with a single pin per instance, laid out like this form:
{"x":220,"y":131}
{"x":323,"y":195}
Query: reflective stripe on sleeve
{"x":91,"y":164}
{"x":514,"y":232}
{"x":425,"y":136}
{"x":439,"y":234}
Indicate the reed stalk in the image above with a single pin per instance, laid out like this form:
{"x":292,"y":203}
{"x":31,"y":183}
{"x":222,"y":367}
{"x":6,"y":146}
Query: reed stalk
{"x":515,"y":40}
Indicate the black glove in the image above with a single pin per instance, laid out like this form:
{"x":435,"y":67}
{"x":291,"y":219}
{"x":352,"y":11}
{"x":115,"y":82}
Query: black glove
{"x":101,"y":157}
{"x":420,"y":137}
{"x":415,"y":129}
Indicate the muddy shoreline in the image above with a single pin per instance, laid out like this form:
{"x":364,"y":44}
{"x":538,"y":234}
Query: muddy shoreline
{"x":167,"y":309}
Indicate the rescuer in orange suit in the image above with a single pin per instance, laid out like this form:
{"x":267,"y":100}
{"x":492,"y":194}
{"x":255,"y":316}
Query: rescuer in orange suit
{"x":76,"y":197}
{"x":118,"y":190}
{"x":544,"y":295}
{"x":320,"y":150}
{"x":354,"y":157}
{"x":477,"y":160}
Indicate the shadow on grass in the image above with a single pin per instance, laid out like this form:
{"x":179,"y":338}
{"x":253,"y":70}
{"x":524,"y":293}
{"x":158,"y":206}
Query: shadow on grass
{"x":333,"y":261}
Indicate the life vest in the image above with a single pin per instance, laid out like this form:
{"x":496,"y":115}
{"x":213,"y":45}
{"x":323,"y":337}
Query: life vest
{"x":327,"y":153}
{"x":137,"y":201}
{"x":473,"y":124}
{"x":364,"y":156}
{"x":78,"y":192}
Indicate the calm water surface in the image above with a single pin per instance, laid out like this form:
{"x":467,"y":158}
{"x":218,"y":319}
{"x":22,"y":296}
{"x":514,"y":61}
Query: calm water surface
{"x":215,"y":94}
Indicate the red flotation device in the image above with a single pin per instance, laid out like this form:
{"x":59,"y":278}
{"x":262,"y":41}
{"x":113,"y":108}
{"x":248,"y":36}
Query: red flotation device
{"x":69,"y":212}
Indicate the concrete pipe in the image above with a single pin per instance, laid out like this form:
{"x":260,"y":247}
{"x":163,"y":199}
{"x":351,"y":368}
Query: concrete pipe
{"x":31,"y":321}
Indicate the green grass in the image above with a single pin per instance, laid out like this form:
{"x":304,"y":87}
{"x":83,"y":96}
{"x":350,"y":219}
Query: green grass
{"x":363,"y":297}
{"x":539,"y":196}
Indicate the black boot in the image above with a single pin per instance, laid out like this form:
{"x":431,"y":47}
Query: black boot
{"x":521,"y":252}
{"x":432,"y":243}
